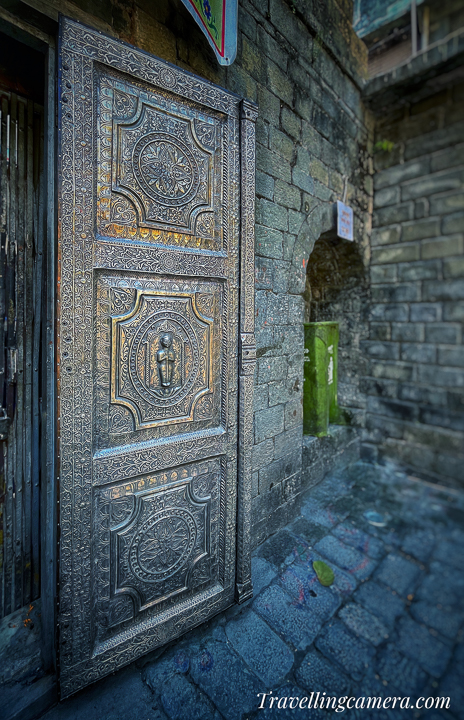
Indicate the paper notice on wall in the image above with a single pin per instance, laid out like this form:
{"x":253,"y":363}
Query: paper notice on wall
{"x":344,"y":221}
{"x":218,"y":21}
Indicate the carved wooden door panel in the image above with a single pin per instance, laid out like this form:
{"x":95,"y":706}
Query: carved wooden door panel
{"x":155,"y":352}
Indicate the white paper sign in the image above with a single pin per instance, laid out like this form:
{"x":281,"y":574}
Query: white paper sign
{"x":344,"y":221}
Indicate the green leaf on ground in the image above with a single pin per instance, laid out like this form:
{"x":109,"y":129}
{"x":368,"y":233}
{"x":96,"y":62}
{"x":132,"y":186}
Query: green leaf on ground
{"x":324,"y":573}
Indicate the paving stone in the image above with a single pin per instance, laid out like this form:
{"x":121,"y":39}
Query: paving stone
{"x":181,"y":700}
{"x":340,"y":646}
{"x":279,"y":549}
{"x":345,"y":557}
{"x":360,"y":540}
{"x":401,"y":672}
{"x":316,"y":673}
{"x":262,"y":573}
{"x":419,"y":544}
{"x":363,"y":623}
{"x":380,"y":601}
{"x":344,"y":583}
{"x":398,"y":574}
{"x":443,"y":585}
{"x":315,"y":512}
{"x":301,"y":582}
{"x":263,"y":651}
{"x":445,"y":622}
{"x":450,"y":553}
{"x":305,"y":530}
{"x":418,"y":644}
{"x":287,"y":617}
{"x":211,"y":665}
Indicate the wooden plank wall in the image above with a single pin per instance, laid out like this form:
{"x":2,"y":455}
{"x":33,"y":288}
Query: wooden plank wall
{"x":21,"y":284}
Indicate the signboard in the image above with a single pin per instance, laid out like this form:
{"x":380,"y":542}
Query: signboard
{"x":218,"y":21}
{"x":344,"y":221}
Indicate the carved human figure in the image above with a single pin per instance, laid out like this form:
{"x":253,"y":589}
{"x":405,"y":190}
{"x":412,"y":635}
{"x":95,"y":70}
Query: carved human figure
{"x":165,"y":358}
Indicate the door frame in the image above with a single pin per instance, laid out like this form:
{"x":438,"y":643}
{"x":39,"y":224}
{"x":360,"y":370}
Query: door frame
{"x":44,"y":42}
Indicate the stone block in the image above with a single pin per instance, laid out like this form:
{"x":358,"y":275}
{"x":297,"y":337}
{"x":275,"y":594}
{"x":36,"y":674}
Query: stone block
{"x":449,"y":203}
{"x":407,"y":332}
{"x":345,"y":557}
{"x":271,"y":215}
{"x":393,"y":214}
{"x":400,"y":672}
{"x":453,"y":223}
{"x":290,"y":123}
{"x":298,"y":625}
{"x":453,"y":312}
{"x":440,"y":619}
{"x":268,"y":241}
{"x":400,"y":173}
{"x":319,"y":171}
{"x":271,"y":48}
{"x":269,"y":106}
{"x":293,"y":414}
{"x":421,"y":229}
{"x":442,"y":247}
{"x":431,"y":184}
{"x":363,"y":623}
{"x":264,"y":185}
{"x":272,"y":369}
{"x":281,"y":144}
{"x":421,"y":208}
{"x":453,"y":268}
{"x":260,"y":397}
{"x":429,"y":142}
{"x":398,"y":574}
{"x":423,"y":270}
{"x":425,"y":312}
{"x":208,"y":668}
{"x":445,"y":159}
{"x":316,"y":672}
{"x":279,"y":84}
{"x":382,"y":350}
{"x":263,"y":453}
{"x":418,"y":352}
{"x":268,"y":423}
{"x":386,"y":235}
{"x":383,"y":603}
{"x":441,"y":376}
{"x":301,"y":172}
{"x":387,"y":196}
{"x":392,"y":371}
{"x":386,"y":312}
{"x":379,"y":331}
{"x":340,"y":646}
{"x":442,"y":333}
{"x":448,"y":290}
{"x":272,"y":164}
{"x":451,"y":356}
{"x":398,"y":292}
{"x":261,"y":649}
{"x":396,"y":254}
{"x":419,"y":645}
{"x":287,"y":195}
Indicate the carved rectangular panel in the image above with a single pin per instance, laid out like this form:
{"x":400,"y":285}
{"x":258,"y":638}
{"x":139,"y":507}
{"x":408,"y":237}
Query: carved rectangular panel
{"x":155,"y":479}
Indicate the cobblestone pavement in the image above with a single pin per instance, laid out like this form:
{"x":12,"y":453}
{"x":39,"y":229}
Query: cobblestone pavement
{"x":391,"y":624}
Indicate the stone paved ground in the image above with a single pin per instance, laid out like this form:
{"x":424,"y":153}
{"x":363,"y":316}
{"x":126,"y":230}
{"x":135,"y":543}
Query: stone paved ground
{"x":390,"y":625}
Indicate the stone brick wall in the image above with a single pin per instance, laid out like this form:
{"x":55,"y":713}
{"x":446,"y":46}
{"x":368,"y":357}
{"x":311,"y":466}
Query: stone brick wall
{"x":302,"y":63}
{"x":415,"y":406}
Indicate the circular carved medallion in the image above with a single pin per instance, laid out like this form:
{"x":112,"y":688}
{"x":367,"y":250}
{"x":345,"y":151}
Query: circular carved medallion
{"x":165,"y":169}
{"x":163,"y":544}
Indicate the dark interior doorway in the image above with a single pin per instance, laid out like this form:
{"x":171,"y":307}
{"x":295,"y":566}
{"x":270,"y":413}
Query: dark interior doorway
{"x":22,"y":227}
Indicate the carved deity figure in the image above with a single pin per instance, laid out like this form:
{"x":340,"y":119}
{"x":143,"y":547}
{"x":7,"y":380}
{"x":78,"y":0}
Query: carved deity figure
{"x":165,"y":358}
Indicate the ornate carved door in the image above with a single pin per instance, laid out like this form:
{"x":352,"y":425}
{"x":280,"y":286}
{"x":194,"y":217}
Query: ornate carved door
{"x":155,"y":352}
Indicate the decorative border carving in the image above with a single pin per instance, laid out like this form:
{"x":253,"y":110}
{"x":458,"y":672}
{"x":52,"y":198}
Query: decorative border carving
{"x":248,"y":115}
